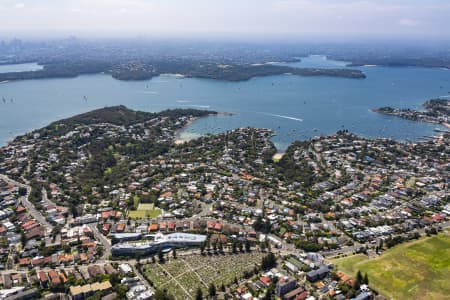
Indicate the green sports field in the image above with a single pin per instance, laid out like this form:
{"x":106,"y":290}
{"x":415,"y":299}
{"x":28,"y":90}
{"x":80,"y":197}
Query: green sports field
{"x":415,"y":270}
{"x":144,"y":211}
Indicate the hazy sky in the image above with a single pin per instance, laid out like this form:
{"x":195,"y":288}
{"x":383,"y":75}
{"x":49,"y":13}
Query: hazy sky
{"x":240,"y":18}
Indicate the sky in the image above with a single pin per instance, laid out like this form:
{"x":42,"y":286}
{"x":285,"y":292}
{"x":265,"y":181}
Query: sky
{"x":227,"y":18}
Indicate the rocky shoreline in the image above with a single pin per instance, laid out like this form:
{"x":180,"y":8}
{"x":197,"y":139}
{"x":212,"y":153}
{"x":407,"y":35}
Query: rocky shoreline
{"x":437,"y":111}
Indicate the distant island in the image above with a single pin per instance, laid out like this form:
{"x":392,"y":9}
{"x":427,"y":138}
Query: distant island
{"x":436,"y":111}
{"x":423,"y":62}
{"x":148,"y":70}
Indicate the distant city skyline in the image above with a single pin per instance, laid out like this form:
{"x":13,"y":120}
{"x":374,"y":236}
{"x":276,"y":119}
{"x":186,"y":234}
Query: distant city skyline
{"x":226,"y":18}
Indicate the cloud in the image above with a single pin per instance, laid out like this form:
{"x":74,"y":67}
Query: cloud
{"x":75,"y":10}
{"x":19,"y":5}
{"x":408,"y":22}
{"x":232,"y":17}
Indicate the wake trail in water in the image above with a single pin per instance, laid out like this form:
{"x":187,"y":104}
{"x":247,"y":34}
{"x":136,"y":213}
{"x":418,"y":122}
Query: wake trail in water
{"x":282,"y":116}
{"x":196,"y":105}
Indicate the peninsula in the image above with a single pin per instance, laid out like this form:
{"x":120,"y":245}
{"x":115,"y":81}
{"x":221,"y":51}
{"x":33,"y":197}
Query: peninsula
{"x":436,"y":111}
{"x":107,"y":202}
{"x":138,"y":70}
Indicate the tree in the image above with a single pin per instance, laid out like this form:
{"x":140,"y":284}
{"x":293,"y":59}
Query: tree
{"x":233,"y":247}
{"x":212,"y":290}
{"x":22,"y":191}
{"x":199,"y":294}
{"x":222,"y":288}
{"x":366,"y":279}
{"x":268,"y":261}
{"x":247,"y":246}
{"x":162,"y":295}
{"x":359,"y":276}
{"x":160,"y":257}
{"x":96,"y":296}
{"x":358,"y":281}
{"x":269,"y":293}
{"x":263,"y":246}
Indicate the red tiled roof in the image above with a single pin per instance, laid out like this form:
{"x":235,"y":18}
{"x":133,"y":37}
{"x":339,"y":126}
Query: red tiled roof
{"x":42,"y":277}
{"x":54,"y":277}
{"x":266,"y":280}
{"x":120,"y":227}
{"x":211,"y":224}
{"x":218,"y":226}
{"x":153,"y":227}
{"x":20,"y":209}
{"x":63,"y":277}
{"x":24,"y":261}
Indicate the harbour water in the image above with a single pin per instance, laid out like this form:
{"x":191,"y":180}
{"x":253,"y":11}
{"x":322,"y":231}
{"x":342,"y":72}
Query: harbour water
{"x":295,"y":107}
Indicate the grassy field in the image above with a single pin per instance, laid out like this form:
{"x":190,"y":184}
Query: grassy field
{"x":415,"y":270}
{"x":182,"y":276}
{"x":144,"y":210}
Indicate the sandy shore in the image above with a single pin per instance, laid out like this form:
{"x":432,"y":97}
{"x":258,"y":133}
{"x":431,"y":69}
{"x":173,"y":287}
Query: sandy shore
{"x":178,"y":139}
{"x":172,"y":75}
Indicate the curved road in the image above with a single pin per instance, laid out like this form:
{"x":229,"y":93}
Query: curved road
{"x":28,"y":205}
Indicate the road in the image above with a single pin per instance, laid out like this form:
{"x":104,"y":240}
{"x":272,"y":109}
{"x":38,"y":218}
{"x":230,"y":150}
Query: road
{"x":102,"y":239}
{"x":141,"y":277}
{"x":28,"y":205}
{"x":356,"y":246}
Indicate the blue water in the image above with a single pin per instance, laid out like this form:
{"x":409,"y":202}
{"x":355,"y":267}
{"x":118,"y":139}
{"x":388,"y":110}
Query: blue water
{"x":20,"y":67}
{"x":295,"y":107}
